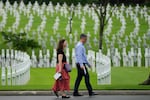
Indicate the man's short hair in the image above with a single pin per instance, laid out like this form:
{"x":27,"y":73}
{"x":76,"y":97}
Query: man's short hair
{"x":83,"y":36}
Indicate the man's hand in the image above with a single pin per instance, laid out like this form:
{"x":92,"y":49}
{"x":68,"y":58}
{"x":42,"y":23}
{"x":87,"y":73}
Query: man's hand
{"x":82,"y":67}
{"x":89,"y":66}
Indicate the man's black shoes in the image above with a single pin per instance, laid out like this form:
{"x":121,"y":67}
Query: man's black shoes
{"x":77,"y":94}
{"x":92,"y":94}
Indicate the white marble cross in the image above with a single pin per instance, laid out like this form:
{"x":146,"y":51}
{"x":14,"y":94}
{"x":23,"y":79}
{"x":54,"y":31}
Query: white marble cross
{"x":139,"y":58}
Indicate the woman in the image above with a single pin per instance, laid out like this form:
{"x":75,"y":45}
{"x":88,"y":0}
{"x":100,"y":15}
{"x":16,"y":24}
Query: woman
{"x":61,"y":84}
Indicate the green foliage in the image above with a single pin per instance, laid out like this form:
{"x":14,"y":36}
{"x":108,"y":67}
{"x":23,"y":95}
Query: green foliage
{"x":19,"y":41}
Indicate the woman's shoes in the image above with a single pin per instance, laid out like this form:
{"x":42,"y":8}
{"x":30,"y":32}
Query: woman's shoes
{"x":65,"y":97}
{"x":56,"y":93}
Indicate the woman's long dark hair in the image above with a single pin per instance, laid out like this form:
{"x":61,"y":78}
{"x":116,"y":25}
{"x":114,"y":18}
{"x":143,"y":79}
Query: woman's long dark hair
{"x":60,"y":44}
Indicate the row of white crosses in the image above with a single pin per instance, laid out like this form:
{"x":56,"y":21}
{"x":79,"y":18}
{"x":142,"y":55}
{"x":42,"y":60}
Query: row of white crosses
{"x":54,"y":60}
{"x":103,"y":68}
{"x":15,"y":67}
{"x":128,"y":41}
{"x":83,"y":24}
{"x":43,"y":61}
{"x":99,"y":62}
{"x":41,"y":27}
{"x":57,"y":9}
{"x":73,"y":58}
{"x":123,"y":27}
{"x":133,"y":35}
{"x":78,"y":11}
{"x":147,"y":57}
{"x":130,"y":58}
{"x":91,"y":58}
{"x":4,"y":18}
{"x":108,"y":29}
{"x":68,"y":26}
{"x":56,"y":25}
{"x":96,"y":25}
{"x":29,"y":24}
{"x":116,"y":58}
{"x":39,"y":10}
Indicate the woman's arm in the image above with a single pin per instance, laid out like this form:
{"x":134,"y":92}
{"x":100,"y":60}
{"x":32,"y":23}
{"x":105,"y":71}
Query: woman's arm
{"x":60,"y":57}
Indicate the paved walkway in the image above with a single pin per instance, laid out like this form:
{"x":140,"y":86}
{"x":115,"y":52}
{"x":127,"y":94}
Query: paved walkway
{"x":103,"y":97}
{"x":100,"y":92}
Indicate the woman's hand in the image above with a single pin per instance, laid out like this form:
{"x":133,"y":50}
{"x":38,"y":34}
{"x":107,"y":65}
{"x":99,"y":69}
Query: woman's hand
{"x":59,"y":71}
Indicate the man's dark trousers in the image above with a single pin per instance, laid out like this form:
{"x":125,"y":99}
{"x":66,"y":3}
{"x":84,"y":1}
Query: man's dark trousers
{"x":81,"y":73}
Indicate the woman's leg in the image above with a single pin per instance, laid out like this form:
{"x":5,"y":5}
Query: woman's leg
{"x":55,"y":88}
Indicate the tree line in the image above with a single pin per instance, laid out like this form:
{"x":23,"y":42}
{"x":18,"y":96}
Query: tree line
{"x":83,"y":2}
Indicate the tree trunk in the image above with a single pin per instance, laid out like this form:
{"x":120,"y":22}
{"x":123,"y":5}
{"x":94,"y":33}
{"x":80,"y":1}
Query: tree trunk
{"x":146,"y":82}
{"x":70,"y":26}
{"x":101,"y":34}
{"x":102,"y":18}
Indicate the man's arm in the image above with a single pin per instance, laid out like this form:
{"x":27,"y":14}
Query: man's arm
{"x":87,"y":62}
{"x":79,"y":54}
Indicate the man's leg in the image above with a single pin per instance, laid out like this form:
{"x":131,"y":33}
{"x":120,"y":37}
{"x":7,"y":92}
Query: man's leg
{"x":78,"y":79}
{"x":87,"y":82}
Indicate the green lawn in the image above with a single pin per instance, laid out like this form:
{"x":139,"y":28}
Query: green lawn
{"x":122,"y":78}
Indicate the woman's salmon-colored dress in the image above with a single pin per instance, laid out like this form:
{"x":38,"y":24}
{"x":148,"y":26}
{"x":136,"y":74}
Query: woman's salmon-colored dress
{"x":64,"y":83}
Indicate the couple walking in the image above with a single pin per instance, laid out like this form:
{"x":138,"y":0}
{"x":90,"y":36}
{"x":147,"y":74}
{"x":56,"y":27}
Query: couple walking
{"x":62,"y":84}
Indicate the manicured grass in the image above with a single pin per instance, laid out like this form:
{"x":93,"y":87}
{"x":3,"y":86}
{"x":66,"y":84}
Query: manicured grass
{"x":122,"y":78}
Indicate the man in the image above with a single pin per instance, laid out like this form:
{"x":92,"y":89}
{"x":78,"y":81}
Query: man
{"x":81,"y":62}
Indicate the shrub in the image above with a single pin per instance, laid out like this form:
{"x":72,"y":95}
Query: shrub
{"x":19,"y":41}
